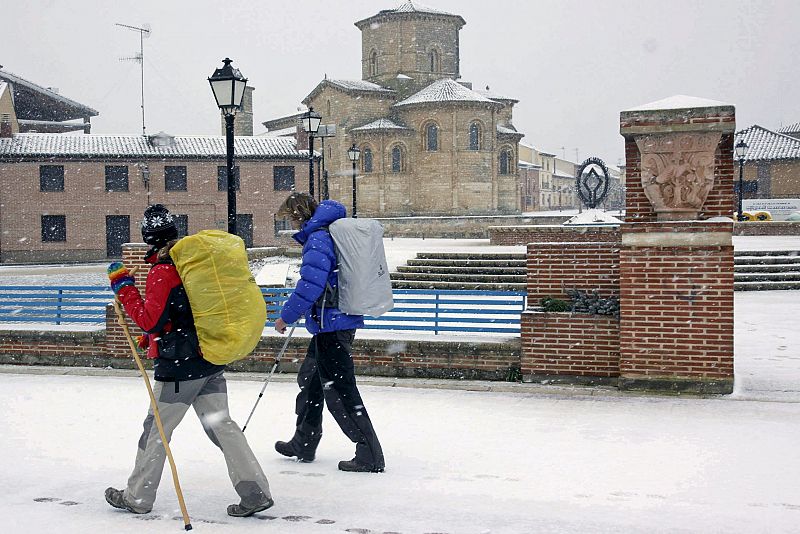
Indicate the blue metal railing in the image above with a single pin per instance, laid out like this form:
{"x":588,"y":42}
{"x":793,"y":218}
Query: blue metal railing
{"x":424,"y":310}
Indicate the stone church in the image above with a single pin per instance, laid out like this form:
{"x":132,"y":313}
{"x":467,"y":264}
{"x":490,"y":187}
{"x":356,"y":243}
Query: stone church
{"x":430,"y":143}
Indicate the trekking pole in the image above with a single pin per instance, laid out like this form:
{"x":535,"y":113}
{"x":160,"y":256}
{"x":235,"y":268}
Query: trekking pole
{"x":187,"y":525}
{"x":269,"y":376}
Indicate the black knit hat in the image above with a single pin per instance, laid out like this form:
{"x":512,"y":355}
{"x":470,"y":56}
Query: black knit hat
{"x":158,"y":226}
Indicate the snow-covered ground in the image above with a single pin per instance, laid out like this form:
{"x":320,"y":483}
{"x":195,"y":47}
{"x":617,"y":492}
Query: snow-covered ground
{"x":521,"y":458}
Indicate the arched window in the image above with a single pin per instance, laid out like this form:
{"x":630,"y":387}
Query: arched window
{"x":373,"y":63}
{"x":367,"y":160}
{"x":397,"y":159}
{"x":505,"y":162}
{"x":431,"y":137}
{"x":433,"y":58}
{"x":474,"y":136}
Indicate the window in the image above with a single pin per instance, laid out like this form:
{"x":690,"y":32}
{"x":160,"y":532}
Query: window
{"x":433,"y":58}
{"x":117,"y":178}
{"x":182,"y":224}
{"x":283,"y":178}
{"x":54,"y":228}
{"x":505,"y":162}
{"x":222,"y":178}
{"x":373,"y":63}
{"x":175,"y":178}
{"x":51,"y":177}
{"x":397,"y":159}
{"x":474,"y":136}
{"x":281,"y":225}
{"x":329,"y":108}
{"x":432,"y":137}
{"x":367,"y":160}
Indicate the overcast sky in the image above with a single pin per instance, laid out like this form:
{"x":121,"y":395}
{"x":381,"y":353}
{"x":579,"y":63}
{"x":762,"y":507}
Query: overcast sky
{"x":573,"y":64}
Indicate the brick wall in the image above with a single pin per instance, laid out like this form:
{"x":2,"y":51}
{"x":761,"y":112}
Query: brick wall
{"x":574,"y":344}
{"x":552,"y":268}
{"x":676,"y":317}
{"x":767,"y":228}
{"x":522,"y":235}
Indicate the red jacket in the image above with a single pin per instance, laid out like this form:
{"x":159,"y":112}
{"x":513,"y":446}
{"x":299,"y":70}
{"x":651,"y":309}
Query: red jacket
{"x":166,"y":316}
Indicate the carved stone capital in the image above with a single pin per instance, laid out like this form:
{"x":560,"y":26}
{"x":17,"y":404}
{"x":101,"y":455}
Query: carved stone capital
{"x":678,"y":172}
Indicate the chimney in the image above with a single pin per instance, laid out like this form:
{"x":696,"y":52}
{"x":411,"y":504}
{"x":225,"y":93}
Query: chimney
{"x":243,"y":121}
{"x":5,"y":125}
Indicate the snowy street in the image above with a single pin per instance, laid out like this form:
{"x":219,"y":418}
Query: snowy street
{"x":521,"y":459}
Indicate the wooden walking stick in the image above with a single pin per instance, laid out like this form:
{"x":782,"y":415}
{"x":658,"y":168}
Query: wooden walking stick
{"x":187,"y":525}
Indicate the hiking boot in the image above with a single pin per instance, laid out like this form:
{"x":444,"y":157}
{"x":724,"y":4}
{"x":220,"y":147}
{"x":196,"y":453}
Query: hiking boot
{"x":115,"y":498}
{"x":287,"y":449}
{"x":354,"y":466}
{"x":239,"y":510}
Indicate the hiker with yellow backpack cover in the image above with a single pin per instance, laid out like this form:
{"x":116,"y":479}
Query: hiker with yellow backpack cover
{"x":201,"y":310}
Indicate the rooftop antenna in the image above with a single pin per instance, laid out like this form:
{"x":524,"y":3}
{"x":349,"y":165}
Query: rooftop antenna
{"x":144,"y":31}
{"x":564,"y":152}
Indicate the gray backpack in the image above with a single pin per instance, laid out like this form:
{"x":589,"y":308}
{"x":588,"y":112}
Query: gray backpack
{"x":364,"y":285}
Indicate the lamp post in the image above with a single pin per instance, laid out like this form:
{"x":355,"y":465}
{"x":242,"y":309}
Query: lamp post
{"x":311,"y":120}
{"x":741,"y":153}
{"x":354,"y":154}
{"x":228,"y":86}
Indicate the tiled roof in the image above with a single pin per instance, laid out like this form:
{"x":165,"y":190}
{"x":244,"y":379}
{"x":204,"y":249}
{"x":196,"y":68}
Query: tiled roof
{"x":415,"y":7}
{"x":763,"y":144}
{"x":494,"y":96}
{"x":444,"y":90}
{"x":380,"y":124}
{"x":213,"y":147}
{"x":359,"y":85}
{"x":46,"y":92}
{"x":792,"y":128}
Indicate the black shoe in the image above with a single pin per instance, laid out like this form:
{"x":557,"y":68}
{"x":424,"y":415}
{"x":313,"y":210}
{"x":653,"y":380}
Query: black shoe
{"x":115,"y":498}
{"x":354,"y":466}
{"x":285,"y":448}
{"x":237,"y":510}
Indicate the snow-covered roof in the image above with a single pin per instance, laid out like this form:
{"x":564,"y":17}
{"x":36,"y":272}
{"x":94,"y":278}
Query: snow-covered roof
{"x":93,"y":146}
{"x":444,"y":90}
{"x":358,"y":86}
{"x":679,"y":102}
{"x":507,"y":129}
{"x":494,"y":96}
{"x":380,"y":124}
{"x":34,"y":94}
{"x":409,"y":7}
{"x":763,"y":144}
{"x":792,"y":128}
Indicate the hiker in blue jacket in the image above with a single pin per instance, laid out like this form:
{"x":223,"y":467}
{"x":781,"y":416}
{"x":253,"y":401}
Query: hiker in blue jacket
{"x":327,"y":372}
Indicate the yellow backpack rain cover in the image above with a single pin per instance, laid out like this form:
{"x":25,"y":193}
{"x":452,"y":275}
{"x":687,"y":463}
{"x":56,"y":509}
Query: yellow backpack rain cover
{"x":228,"y":308}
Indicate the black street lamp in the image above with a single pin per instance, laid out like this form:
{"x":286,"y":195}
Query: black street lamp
{"x":228,"y":86}
{"x":353,"y":154}
{"x":741,"y":154}
{"x":311,"y":120}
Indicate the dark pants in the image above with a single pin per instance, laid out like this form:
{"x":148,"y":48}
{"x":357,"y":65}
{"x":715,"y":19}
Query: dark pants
{"x":327,"y":375}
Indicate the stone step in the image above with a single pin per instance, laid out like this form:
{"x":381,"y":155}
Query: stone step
{"x":461,"y":269}
{"x":737,"y":253}
{"x":771,"y":268}
{"x":480,"y":278}
{"x":766,"y":286}
{"x":767,"y":277}
{"x":765,"y":260}
{"x":466,"y":263}
{"x":418,"y":284}
{"x":469,"y":256}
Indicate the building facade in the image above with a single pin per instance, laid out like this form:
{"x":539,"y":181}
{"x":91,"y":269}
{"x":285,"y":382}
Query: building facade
{"x":80,"y":197}
{"x":429,"y":144}
{"x":772,"y":163}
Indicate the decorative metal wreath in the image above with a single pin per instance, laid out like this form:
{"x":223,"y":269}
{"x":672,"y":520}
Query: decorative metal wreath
{"x":591,"y":186}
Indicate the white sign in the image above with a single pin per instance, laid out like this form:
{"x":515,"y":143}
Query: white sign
{"x":779,"y":208}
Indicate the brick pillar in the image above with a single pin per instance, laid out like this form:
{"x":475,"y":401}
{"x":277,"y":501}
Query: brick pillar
{"x":116,"y":344}
{"x":676,"y":307}
{"x":676,"y":266}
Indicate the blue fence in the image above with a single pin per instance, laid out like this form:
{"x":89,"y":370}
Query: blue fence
{"x":437,"y":311}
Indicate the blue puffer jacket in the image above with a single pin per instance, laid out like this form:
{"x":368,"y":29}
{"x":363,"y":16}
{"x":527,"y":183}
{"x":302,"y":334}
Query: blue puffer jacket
{"x":319,"y":266}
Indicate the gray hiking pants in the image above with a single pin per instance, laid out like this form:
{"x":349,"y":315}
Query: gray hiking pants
{"x":209,"y":397}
